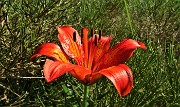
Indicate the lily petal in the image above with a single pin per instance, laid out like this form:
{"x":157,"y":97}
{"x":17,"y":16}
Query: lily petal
{"x":73,"y":48}
{"x":121,"y":76}
{"x":55,"y":69}
{"x":51,"y":50}
{"x":120,"y":53}
{"x":102,"y":47}
{"x":96,"y":52}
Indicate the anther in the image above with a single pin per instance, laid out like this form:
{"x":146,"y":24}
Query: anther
{"x":74,"y":36}
{"x":95,"y":40}
{"x":82,"y":35}
{"x":100,"y":34}
{"x":92,"y":32}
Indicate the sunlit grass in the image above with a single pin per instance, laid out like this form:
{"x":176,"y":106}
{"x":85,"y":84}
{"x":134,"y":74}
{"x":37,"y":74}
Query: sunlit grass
{"x":25,"y":24}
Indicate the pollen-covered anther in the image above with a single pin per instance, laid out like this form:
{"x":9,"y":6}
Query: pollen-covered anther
{"x":100,"y":34}
{"x":74,"y":36}
{"x":92,"y":32}
{"x":95,"y":40}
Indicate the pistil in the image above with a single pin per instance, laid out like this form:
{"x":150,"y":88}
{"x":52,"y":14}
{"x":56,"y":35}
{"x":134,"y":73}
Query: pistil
{"x":85,"y":45}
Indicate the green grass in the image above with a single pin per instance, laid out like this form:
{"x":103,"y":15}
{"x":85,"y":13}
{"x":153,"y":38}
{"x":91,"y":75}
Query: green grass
{"x":25,"y":24}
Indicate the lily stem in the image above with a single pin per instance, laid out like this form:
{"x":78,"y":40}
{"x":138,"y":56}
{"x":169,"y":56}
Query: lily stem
{"x":85,"y":95}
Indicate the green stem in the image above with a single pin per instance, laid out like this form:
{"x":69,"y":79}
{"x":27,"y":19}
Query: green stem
{"x":85,"y":95}
{"x":129,"y":18}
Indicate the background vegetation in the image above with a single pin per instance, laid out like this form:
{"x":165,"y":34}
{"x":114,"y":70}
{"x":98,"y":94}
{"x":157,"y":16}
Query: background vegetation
{"x":25,"y":24}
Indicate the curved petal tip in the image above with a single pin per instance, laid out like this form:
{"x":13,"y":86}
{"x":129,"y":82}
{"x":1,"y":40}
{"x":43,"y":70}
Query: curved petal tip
{"x":142,"y":45}
{"x":121,"y":76}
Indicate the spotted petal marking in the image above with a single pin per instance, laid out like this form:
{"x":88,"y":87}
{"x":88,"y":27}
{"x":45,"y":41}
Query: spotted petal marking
{"x":51,"y":50}
{"x":71,"y":47}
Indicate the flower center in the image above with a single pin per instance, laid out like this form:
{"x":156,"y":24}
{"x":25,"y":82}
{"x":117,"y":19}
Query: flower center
{"x":89,"y":48}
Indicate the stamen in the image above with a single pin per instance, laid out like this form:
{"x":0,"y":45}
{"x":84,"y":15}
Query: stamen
{"x":100,"y":34}
{"x":95,"y":40}
{"x":74,"y":36}
{"x":92,"y":32}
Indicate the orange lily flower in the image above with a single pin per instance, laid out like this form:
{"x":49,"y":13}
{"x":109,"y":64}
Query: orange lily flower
{"x":92,"y":58}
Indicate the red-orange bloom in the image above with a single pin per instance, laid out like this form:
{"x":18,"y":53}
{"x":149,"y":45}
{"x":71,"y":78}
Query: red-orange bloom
{"x":92,"y":58}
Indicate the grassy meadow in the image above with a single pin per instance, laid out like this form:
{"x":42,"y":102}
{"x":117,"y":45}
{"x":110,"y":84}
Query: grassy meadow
{"x":26,"y":24}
